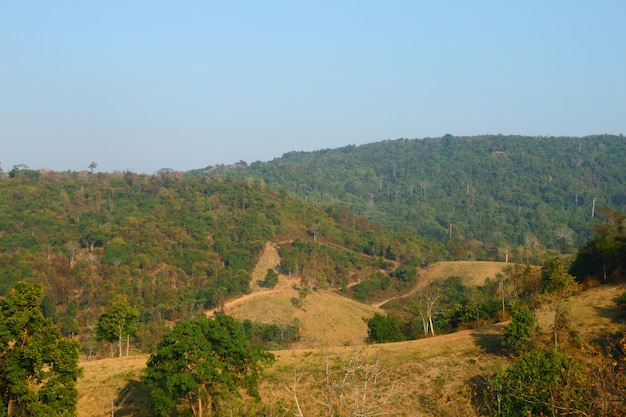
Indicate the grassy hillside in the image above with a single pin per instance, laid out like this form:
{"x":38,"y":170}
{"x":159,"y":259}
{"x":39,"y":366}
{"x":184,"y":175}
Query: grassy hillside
{"x":436,"y":376}
{"x":330,"y":319}
{"x":472,"y":272}
{"x":327,"y":319}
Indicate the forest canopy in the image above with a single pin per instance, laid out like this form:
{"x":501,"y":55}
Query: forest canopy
{"x":482,"y":197}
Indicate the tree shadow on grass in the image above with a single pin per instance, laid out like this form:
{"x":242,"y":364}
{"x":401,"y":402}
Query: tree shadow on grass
{"x":615,"y":314}
{"x":489,"y":342}
{"x":133,"y":400}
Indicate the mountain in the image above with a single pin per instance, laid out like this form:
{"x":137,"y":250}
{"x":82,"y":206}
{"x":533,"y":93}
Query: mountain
{"x":483,"y":197}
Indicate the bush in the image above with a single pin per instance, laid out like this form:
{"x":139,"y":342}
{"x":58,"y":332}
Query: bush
{"x":538,"y":383}
{"x":517,"y":335}
{"x":383,"y":329}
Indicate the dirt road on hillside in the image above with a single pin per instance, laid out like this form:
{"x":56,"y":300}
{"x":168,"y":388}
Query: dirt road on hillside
{"x":269,"y":259}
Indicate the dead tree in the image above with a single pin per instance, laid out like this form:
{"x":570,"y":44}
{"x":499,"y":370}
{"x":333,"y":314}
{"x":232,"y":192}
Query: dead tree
{"x":354,"y":387}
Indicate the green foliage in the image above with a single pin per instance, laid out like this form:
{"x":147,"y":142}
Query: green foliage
{"x":271,"y":278}
{"x":458,"y":306}
{"x":322,"y":262}
{"x":603,"y":258}
{"x":38,"y":368}
{"x":370,"y":286}
{"x":383,"y":329}
{"x":474,"y":195}
{"x":117,"y":321}
{"x":556,"y":279}
{"x":270,"y":336}
{"x":172,"y":245}
{"x":48,"y":309}
{"x":199,"y":363}
{"x":540,"y":382}
{"x":302,"y":295}
{"x":518,"y":334}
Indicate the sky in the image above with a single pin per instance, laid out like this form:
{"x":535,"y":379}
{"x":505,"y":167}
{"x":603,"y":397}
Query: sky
{"x":145,"y":85}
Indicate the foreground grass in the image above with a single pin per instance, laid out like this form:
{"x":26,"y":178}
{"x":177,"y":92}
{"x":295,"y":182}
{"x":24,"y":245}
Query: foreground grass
{"x":427,"y":368}
{"x":113,"y":384}
{"x":436,"y":376}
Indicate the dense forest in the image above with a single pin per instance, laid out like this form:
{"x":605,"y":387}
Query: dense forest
{"x":172,"y":246}
{"x":98,"y":258}
{"x":483,"y":197}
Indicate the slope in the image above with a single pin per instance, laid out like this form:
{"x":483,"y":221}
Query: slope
{"x":325,"y":319}
{"x":437,"y":374}
{"x":172,"y":246}
{"x":483,"y":197}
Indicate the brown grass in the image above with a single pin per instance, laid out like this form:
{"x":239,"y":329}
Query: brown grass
{"x":437,"y":374}
{"x":106,"y":382}
{"x":470,"y":272}
{"x":327,"y":318}
{"x":592,"y":313}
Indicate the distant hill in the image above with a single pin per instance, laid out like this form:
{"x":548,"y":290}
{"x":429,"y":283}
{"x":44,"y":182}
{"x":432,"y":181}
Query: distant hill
{"x":482,"y":197}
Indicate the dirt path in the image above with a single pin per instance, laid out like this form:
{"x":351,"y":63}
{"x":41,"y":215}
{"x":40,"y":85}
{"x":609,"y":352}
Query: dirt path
{"x":268,"y":259}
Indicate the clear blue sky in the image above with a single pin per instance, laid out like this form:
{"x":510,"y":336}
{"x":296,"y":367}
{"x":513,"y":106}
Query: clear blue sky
{"x":143,"y":85}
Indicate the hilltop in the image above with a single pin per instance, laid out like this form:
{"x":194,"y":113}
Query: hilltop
{"x":487,"y":197}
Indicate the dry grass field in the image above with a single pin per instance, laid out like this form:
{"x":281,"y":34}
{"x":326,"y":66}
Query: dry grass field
{"x":470,"y":272}
{"x":435,"y":376}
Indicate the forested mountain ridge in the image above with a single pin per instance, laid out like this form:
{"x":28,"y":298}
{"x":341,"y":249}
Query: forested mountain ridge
{"x":172,"y":246}
{"x":483,"y":197}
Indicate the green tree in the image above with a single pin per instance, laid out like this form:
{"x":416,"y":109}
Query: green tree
{"x":302,"y":294}
{"x":555,"y":278}
{"x":38,"y":367}
{"x":518,"y":334}
{"x":538,"y":383}
{"x":69,"y":326}
{"x":200,"y":362}
{"x":48,"y":308}
{"x":117,"y":321}
{"x":271,"y":278}
{"x":383,"y":329}
{"x":603,"y":257}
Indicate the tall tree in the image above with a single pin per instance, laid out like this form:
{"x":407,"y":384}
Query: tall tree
{"x":38,"y":367}
{"x":117,"y":321}
{"x":200,"y":362}
{"x":428,"y":299}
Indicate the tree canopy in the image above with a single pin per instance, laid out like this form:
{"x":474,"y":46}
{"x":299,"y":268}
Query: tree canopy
{"x":200,"y":362}
{"x":483,"y":197}
{"x":172,"y":246}
{"x":117,"y":321}
{"x":38,"y":367}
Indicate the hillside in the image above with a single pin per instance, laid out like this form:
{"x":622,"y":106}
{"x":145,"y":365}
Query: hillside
{"x":438,"y":373}
{"x":331,"y":319}
{"x":172,"y":246}
{"x":484,"y":197}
